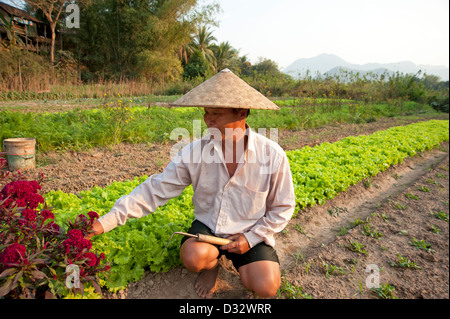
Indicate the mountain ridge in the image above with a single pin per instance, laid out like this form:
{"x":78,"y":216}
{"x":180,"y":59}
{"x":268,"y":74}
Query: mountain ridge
{"x":330,"y":64}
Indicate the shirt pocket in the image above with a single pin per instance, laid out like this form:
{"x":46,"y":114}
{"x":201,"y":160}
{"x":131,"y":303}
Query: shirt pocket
{"x":203,"y":203}
{"x":253,"y":204}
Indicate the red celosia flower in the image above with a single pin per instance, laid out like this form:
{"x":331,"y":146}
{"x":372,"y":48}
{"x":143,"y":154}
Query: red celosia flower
{"x":75,"y":234}
{"x":91,"y":259}
{"x":76,"y":243}
{"x":7,"y":202}
{"x":84,"y":244}
{"x":93,"y":215}
{"x":46,"y":214}
{"x":35,"y":185}
{"x":23,"y":193}
{"x":29,"y":217}
{"x":29,"y":214}
{"x":17,"y":189}
{"x":13,"y":254}
{"x":33,"y":200}
{"x":82,"y":218}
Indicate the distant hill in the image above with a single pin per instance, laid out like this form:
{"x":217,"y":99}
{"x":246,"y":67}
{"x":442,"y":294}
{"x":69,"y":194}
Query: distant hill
{"x":331,"y":64}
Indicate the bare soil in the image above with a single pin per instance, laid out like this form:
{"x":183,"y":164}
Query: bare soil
{"x":310,"y":244}
{"x":385,"y":207}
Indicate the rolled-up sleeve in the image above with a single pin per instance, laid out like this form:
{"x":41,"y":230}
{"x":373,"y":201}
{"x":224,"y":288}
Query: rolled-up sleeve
{"x":156,"y":191}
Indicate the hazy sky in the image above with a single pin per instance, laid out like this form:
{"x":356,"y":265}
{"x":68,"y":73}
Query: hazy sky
{"x":359,"y":31}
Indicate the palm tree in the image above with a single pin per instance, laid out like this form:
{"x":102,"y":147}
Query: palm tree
{"x":226,"y":56}
{"x":245,"y":65}
{"x":202,"y":42}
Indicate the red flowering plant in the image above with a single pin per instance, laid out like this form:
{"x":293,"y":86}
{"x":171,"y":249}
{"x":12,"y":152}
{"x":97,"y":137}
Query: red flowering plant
{"x":3,"y":163}
{"x":35,"y":252}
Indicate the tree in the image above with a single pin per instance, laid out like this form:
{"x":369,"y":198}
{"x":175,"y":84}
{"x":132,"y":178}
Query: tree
{"x":226,"y":57}
{"x":266,"y":66}
{"x":157,"y":67}
{"x":52,"y":10}
{"x":117,"y":37}
{"x":197,"y":66}
{"x":202,"y":43}
{"x":245,"y":66}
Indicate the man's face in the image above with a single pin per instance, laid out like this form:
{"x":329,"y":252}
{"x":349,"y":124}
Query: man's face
{"x":221,"y":119}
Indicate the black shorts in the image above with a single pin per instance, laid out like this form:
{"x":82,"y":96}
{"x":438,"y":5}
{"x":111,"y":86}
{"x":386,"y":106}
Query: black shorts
{"x":259,"y":252}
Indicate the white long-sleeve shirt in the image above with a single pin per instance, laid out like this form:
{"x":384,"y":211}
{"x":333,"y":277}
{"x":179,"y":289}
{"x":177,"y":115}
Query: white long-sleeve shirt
{"x":258,"y":200}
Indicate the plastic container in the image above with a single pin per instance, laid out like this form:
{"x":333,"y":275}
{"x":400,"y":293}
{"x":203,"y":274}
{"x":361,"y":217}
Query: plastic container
{"x":20,"y":153}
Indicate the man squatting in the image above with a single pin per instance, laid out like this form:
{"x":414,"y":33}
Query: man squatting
{"x":242,"y":186}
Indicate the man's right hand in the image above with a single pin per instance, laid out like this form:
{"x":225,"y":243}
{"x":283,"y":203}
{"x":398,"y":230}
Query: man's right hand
{"x":97,"y":229}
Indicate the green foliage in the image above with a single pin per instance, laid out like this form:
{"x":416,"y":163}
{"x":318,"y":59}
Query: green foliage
{"x":154,"y":66}
{"x":320,"y":173}
{"x":357,"y":247}
{"x":225,"y":57}
{"x":266,"y":66}
{"x":421,"y":244}
{"x":435,"y":229}
{"x":290,"y":291}
{"x":371,"y":232}
{"x":331,"y":270}
{"x":406,"y":86}
{"x":82,"y":129}
{"x":404,"y":262}
{"x":385,"y":291}
{"x":442,"y":216}
{"x":197,"y":66}
{"x":86,"y":128}
{"x":440,"y":103}
{"x":411,"y":196}
{"x":201,"y":46}
{"x":119,"y":38}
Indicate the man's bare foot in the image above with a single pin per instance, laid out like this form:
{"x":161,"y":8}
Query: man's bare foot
{"x":205,"y":285}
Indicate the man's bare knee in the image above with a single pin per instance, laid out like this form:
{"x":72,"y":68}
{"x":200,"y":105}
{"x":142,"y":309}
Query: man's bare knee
{"x":197,"y":256}
{"x":263,"y":278}
{"x":266,"y":289}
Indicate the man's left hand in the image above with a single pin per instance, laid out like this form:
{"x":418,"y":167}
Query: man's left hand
{"x":239,"y":244}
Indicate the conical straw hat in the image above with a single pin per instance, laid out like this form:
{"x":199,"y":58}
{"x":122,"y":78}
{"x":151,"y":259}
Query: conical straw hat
{"x":225,"y":90}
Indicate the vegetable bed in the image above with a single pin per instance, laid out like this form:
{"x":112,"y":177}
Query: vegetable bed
{"x":319,"y":173}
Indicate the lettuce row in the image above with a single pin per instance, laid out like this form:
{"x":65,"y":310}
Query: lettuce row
{"x":320,"y":173}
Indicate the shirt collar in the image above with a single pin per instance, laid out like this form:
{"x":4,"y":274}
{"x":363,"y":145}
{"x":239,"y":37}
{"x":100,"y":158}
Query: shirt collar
{"x":250,"y":152}
{"x":251,"y":139}
{"x":251,"y":145}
